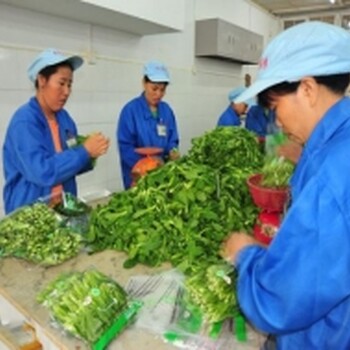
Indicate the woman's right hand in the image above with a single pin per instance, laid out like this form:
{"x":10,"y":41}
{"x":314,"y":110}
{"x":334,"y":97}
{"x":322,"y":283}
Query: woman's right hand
{"x":96,"y":145}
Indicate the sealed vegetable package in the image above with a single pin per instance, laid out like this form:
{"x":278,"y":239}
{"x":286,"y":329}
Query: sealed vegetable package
{"x":37,"y":234}
{"x":89,"y":305}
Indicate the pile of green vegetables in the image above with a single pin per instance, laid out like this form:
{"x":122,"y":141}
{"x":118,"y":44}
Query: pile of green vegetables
{"x":34,"y":233}
{"x":182,"y":211}
{"x":84,"y":303}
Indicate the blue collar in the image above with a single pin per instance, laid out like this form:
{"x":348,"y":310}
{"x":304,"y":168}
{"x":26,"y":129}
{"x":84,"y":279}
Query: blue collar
{"x":145,"y":107}
{"x":334,"y":118}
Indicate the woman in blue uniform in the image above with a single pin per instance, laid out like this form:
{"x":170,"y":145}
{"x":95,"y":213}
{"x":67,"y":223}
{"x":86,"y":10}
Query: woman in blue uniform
{"x":261,"y":121}
{"x":298,"y":288}
{"x":147,"y":121}
{"x":232,"y":114}
{"x":41,"y":157}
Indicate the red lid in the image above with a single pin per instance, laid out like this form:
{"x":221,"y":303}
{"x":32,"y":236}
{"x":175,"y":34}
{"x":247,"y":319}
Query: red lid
{"x":149,"y":151}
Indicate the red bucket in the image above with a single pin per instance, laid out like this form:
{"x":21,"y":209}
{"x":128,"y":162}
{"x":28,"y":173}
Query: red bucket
{"x":269,"y":199}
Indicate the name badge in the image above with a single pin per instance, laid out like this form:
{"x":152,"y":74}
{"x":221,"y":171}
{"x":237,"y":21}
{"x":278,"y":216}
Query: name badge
{"x":71,"y":142}
{"x":161,"y":130}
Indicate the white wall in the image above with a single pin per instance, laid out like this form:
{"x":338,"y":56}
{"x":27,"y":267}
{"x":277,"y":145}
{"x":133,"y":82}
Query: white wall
{"x":168,"y":12}
{"x":112,"y":73}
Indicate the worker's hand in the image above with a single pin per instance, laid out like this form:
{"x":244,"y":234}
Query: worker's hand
{"x":234,"y":243}
{"x":174,"y":154}
{"x":290,"y":150}
{"x":96,"y":145}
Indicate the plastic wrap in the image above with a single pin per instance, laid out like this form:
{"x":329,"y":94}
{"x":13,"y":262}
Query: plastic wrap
{"x":73,"y":211}
{"x":169,"y":312}
{"x":38,"y":234}
{"x":89,"y":305}
{"x":159,"y":294}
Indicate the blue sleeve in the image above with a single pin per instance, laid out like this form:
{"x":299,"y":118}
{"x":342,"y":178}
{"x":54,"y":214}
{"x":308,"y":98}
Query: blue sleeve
{"x":256,"y":121}
{"x":289,"y":286}
{"x":68,"y":129}
{"x":173,"y":137}
{"x":229,"y":118}
{"x":37,"y":164}
{"x":127,"y":137}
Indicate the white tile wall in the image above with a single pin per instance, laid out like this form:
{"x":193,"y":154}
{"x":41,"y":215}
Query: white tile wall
{"x":112,"y":75}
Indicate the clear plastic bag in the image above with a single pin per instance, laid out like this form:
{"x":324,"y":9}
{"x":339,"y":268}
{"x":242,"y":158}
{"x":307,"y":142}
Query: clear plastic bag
{"x":73,"y":211}
{"x":38,"y":234}
{"x":159,"y":294}
{"x":189,"y":330}
{"x":89,"y":305}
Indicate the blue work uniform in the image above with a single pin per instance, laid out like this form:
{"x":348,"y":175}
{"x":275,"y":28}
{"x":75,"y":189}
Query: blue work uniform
{"x":261,"y":121}
{"x":137,"y":127}
{"x":299,"y":288}
{"x":31,"y":165}
{"x":229,"y":118}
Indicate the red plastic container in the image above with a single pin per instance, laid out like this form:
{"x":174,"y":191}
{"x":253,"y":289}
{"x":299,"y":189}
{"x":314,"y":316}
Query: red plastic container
{"x":268,"y":199}
{"x":267,"y":226}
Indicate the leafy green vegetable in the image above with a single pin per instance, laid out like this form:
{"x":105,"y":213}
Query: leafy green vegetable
{"x":80,"y":140}
{"x":183,"y":210}
{"x":216,"y":298}
{"x":276,"y":172}
{"x":34,"y":233}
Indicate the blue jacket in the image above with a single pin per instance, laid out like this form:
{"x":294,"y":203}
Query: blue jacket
{"x":137,"y":127}
{"x":299,"y":288}
{"x":260,"y":121}
{"x":31,"y":165}
{"x":229,"y":118}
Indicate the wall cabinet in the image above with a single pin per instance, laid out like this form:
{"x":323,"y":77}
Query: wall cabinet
{"x":217,"y":38}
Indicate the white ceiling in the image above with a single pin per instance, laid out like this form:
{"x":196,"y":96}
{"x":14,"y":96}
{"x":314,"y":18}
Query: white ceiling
{"x":284,"y":8}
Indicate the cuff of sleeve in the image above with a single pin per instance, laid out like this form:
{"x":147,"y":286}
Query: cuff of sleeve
{"x":83,"y":155}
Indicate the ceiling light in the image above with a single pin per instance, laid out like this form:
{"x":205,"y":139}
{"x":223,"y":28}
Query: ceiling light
{"x":332,"y":1}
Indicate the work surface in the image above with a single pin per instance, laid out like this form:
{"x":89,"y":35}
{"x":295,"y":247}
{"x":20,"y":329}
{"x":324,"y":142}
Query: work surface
{"x":21,"y":281}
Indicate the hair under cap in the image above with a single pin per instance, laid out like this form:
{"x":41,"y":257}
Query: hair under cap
{"x":307,"y":49}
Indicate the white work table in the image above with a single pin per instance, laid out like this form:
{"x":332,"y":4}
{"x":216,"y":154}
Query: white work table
{"x":21,"y":281}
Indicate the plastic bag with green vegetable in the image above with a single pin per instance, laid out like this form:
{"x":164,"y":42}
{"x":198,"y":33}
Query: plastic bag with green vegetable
{"x":37,"y":234}
{"x":89,"y":305}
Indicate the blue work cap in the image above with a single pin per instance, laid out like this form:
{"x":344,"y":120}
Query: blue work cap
{"x":307,"y":49}
{"x":50,"y":57}
{"x":233,"y":94}
{"x":156,"y":72}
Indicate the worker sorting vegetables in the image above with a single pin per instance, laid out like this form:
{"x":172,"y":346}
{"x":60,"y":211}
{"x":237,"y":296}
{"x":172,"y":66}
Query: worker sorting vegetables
{"x":147,"y":121}
{"x":46,"y":161}
{"x":298,"y":288}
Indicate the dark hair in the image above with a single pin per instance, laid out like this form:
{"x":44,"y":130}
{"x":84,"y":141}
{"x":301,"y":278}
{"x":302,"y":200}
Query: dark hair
{"x":337,"y":83}
{"x":148,"y":80}
{"x":50,"y":70}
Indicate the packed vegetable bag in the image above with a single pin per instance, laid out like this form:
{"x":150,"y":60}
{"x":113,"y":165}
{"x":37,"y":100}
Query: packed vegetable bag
{"x":89,"y":306}
{"x":75,"y":212}
{"x":37,"y":233}
{"x":208,"y":315}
